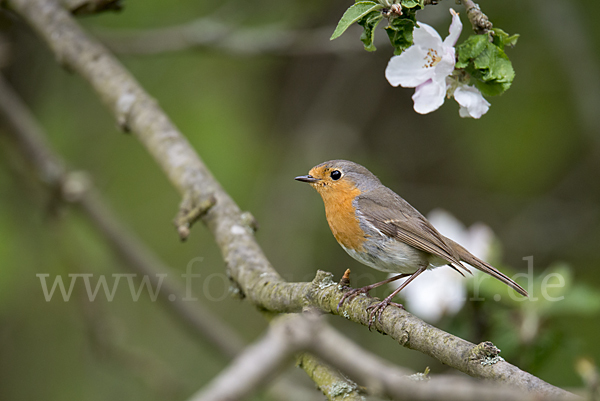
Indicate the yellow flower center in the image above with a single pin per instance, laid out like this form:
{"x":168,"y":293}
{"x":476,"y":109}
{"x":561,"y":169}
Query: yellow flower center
{"x":431,"y":59}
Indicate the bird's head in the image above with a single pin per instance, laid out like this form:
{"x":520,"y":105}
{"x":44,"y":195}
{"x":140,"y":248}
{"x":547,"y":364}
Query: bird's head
{"x":339,"y":176}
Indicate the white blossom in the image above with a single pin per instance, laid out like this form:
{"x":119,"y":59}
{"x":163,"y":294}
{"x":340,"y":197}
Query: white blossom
{"x":428,"y":66}
{"x":471,"y":101}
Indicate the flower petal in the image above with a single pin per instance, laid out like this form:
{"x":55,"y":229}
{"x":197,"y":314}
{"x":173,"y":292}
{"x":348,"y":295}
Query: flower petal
{"x":455,"y":30}
{"x":471,"y":101}
{"x":429,"y":96}
{"x":445,"y":66}
{"x":427,"y":37}
{"x":409,"y":69}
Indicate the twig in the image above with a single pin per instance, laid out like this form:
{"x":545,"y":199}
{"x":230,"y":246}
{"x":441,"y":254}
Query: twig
{"x":189,"y":212}
{"x":246,"y":263}
{"x":480,"y":22}
{"x":330,"y":381}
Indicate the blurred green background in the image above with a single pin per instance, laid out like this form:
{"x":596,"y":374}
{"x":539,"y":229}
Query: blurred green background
{"x":259,"y":115}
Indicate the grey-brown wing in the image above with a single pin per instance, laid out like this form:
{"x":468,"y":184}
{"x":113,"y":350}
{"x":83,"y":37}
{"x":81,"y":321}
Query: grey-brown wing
{"x":396,"y":218}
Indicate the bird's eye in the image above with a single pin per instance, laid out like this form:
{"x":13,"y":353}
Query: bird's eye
{"x":335,"y":175}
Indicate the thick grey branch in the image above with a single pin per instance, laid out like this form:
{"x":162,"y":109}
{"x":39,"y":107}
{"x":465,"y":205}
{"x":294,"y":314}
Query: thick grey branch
{"x":414,"y":333}
{"x":392,"y":381}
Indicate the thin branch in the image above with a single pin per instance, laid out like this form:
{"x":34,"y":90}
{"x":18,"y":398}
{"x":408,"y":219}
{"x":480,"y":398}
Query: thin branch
{"x":136,"y":111}
{"x":334,"y":385}
{"x":480,"y":22}
{"x":254,"y":367}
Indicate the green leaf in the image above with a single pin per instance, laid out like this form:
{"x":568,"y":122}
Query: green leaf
{"x":353,"y":14}
{"x":470,"y":49}
{"x":503,"y":39}
{"x":400,"y":30}
{"x":412,"y":3}
{"x":487,"y":63}
{"x":369,"y":23}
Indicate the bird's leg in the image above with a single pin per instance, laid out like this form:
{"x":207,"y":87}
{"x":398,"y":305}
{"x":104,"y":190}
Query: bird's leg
{"x":377,"y":309}
{"x":365,"y":290}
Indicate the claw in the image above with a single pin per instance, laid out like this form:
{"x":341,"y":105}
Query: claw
{"x":351,"y":294}
{"x":363,"y":290}
{"x":377,"y":310}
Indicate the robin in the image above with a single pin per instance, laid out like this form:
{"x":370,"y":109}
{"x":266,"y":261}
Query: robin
{"x":378,"y":228}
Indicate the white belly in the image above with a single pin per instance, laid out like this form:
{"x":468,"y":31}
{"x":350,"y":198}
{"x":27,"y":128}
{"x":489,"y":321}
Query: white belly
{"x":392,"y":256}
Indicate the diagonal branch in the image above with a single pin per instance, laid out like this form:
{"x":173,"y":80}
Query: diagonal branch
{"x":75,"y":188}
{"x":137,"y":112}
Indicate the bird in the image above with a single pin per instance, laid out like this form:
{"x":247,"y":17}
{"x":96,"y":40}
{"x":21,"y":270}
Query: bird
{"x":378,"y":228}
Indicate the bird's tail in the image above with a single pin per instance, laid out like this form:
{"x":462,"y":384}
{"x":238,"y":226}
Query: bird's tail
{"x":467,"y":257}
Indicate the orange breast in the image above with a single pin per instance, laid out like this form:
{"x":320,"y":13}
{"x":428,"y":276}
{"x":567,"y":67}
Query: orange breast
{"x":341,"y":216}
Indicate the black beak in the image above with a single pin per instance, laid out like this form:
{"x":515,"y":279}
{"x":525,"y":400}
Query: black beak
{"x":306,"y":178}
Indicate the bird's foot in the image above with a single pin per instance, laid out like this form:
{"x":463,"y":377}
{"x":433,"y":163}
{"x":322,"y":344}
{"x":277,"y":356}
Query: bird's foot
{"x":353,"y":292}
{"x":377,"y":309}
